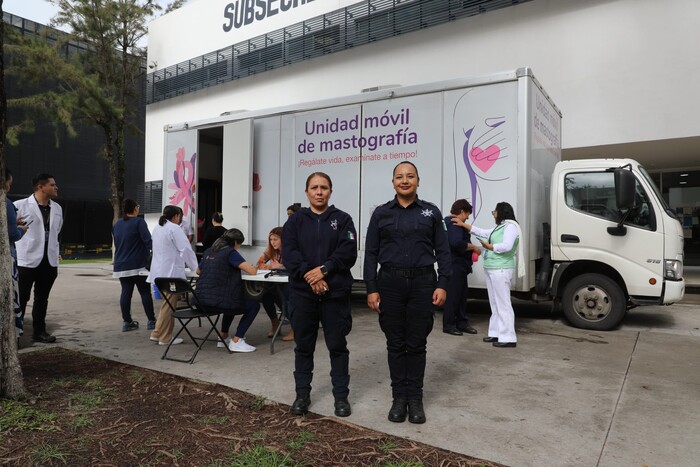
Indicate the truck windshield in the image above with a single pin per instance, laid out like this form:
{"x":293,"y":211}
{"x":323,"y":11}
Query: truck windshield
{"x":653,"y":186}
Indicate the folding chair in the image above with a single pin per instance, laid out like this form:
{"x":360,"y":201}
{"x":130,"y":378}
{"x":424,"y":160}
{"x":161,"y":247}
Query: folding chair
{"x":192,"y":309}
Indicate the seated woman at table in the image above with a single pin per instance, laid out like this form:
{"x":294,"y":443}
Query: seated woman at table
{"x":272,"y":259}
{"x":220,"y":287}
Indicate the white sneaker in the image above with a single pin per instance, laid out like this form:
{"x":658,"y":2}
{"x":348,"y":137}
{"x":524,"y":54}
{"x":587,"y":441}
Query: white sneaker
{"x":240,"y":346}
{"x":172,"y":341}
{"x":223,"y":343}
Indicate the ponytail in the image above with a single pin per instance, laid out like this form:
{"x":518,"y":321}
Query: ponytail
{"x":168,"y":213}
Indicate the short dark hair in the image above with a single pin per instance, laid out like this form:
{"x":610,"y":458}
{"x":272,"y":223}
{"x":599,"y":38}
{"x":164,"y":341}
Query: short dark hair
{"x":504,"y":211}
{"x":128,"y":206}
{"x":41,"y":179}
{"x":319,"y":174}
{"x":294,"y":207}
{"x":459,"y":206}
{"x":217,"y":217}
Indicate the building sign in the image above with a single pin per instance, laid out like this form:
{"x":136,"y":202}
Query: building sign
{"x":245,"y":12}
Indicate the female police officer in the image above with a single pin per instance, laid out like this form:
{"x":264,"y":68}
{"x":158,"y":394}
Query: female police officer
{"x":405,"y":236}
{"x":320,"y":247}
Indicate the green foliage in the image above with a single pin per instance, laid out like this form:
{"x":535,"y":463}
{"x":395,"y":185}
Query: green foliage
{"x":98,"y":85}
{"x":22,"y":416}
{"x":258,"y":403}
{"x":259,"y":456}
{"x":81,"y":421}
{"x":387,"y":446}
{"x":47,"y":453}
{"x":301,"y":440}
{"x":93,"y":397}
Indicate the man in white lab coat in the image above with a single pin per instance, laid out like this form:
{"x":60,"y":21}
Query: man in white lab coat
{"x":38,"y":251}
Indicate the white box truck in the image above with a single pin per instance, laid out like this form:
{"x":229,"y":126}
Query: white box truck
{"x":600,"y":239}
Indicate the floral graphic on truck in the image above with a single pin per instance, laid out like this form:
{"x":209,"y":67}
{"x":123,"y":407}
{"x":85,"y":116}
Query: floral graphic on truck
{"x":184,"y":182}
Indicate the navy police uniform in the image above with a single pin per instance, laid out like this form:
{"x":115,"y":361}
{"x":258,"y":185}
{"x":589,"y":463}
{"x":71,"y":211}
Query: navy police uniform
{"x":455,"y":309}
{"x":311,"y":240}
{"x":406,"y":242}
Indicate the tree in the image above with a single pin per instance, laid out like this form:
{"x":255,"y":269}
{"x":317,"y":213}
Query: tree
{"x":11,"y":381}
{"x":101,"y":86}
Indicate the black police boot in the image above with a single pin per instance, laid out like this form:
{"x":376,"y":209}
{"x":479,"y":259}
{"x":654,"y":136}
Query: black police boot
{"x":397,"y":413}
{"x":342,"y":408}
{"x":301,"y":405}
{"x":416,"y":414}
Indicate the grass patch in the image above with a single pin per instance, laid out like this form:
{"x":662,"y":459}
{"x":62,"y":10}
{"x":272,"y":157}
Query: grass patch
{"x":258,"y":436}
{"x":86,"y":261}
{"x":258,"y":403}
{"x":94,"y":397}
{"x":46,"y":453}
{"x":23,"y":417}
{"x":301,"y":440}
{"x":259,"y":456}
{"x":81,"y":421}
{"x":387,"y":446}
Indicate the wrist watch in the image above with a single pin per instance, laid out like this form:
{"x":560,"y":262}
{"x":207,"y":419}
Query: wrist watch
{"x":324,"y":269}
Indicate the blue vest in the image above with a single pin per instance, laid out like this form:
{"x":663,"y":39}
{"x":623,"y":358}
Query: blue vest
{"x":219,"y":284}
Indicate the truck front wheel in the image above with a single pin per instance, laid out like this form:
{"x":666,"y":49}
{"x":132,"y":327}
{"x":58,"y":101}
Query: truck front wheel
{"x":593,"y":301}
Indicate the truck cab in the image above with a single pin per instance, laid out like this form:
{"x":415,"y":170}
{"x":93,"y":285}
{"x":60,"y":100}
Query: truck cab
{"x":615,"y":243}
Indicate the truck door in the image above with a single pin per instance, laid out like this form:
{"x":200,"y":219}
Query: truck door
{"x":580,"y":230}
{"x":237,"y":176}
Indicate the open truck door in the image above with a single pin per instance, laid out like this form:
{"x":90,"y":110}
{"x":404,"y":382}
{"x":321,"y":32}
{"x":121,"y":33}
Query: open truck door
{"x":237,"y":177}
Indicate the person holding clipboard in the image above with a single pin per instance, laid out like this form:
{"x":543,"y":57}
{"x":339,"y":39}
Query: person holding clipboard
{"x":500,"y":243}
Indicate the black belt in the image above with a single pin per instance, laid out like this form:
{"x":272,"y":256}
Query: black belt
{"x":408,"y":273}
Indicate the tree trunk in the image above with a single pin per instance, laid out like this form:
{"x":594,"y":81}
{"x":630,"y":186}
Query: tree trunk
{"x":11,"y":380}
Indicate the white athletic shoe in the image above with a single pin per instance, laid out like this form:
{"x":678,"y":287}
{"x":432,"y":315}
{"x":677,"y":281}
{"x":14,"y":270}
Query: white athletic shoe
{"x":240,"y":346}
{"x":172,"y":341}
{"x":223,"y":343}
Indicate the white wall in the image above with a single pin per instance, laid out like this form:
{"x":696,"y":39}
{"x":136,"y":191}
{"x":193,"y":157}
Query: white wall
{"x":621,"y":71}
{"x":198,"y":27}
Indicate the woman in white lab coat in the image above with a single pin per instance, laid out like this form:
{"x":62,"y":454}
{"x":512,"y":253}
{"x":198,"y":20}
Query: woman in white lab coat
{"x":172,"y":252}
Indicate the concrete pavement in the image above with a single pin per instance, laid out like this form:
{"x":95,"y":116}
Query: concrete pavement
{"x":564,"y":396}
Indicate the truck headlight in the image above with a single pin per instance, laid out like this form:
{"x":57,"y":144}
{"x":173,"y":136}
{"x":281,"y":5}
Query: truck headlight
{"x":673,"y":269}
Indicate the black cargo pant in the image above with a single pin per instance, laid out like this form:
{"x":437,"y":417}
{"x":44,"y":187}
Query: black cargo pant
{"x":406,"y":317}
{"x":335,"y":316}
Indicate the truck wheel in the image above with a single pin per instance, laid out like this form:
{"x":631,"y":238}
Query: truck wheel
{"x":254,"y":289}
{"x":593,"y":301}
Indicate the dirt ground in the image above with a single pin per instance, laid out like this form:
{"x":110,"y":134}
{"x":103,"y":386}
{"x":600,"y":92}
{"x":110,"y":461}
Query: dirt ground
{"x":90,"y":411}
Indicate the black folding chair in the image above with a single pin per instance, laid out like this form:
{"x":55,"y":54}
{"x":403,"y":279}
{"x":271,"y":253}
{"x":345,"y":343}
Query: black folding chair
{"x":192,"y":309}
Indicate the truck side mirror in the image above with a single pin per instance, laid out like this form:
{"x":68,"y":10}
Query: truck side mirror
{"x":624,"y":188}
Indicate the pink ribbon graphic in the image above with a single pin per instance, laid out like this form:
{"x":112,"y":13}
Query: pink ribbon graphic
{"x":184,"y":178}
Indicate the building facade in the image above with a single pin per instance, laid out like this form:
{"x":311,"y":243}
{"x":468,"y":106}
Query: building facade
{"x":625,"y":86}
